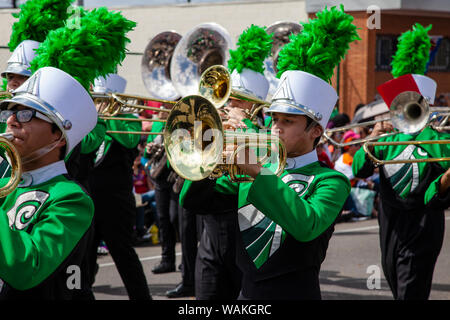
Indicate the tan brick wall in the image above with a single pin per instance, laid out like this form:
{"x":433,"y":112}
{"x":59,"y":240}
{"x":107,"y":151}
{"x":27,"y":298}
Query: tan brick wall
{"x":358,"y":78}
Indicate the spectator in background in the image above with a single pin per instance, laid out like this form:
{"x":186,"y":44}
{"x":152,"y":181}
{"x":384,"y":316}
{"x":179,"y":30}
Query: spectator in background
{"x":145,"y":201}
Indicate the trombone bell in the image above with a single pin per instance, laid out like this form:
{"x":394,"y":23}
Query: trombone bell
{"x":410,"y":112}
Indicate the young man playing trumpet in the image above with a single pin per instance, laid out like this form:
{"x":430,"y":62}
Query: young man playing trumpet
{"x":45,"y":221}
{"x":286,"y":221}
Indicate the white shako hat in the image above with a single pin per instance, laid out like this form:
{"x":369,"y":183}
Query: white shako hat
{"x":112,"y":83}
{"x":303,"y":93}
{"x":421,"y":84}
{"x":250,"y":82}
{"x":19,"y":62}
{"x":61,"y":98}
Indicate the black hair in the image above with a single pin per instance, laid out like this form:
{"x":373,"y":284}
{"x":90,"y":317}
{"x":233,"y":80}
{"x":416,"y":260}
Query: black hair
{"x":310,"y":123}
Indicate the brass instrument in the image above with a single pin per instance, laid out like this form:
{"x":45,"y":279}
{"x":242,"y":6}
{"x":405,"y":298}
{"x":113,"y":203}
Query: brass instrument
{"x":203,"y":46}
{"x":13,"y":156}
{"x":280,"y":31}
{"x":155,"y":65}
{"x":194,"y":141}
{"x":409,"y":113}
{"x":216,"y":86}
{"x":5,"y":95}
{"x":368,"y":145}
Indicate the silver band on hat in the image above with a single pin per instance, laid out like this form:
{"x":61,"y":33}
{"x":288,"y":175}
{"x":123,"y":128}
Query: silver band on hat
{"x":17,"y":68}
{"x":284,"y":105}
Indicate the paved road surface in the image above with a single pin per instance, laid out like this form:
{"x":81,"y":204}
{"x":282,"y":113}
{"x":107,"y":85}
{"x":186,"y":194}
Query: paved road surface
{"x":353,"y":249}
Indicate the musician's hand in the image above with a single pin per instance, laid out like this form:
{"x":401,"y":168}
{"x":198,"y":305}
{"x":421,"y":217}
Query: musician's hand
{"x":445,"y":182}
{"x":235,"y":113}
{"x":150,"y":147}
{"x":381,"y":127}
{"x":247,"y":162}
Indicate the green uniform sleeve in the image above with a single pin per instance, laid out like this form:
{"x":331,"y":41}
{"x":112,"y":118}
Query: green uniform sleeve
{"x":304,"y":219}
{"x":127,"y":140}
{"x":362,"y":166}
{"x":27,"y":259}
{"x":94,"y":139}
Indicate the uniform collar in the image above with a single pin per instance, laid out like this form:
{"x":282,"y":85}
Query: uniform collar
{"x":301,"y":161}
{"x":43,"y":174}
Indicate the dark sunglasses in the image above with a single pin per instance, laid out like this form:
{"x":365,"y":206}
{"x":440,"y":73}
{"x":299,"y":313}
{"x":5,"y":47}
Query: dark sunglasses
{"x":22,"y":116}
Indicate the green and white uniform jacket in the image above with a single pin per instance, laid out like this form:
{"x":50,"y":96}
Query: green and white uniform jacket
{"x":43,"y":235}
{"x":277,"y":212}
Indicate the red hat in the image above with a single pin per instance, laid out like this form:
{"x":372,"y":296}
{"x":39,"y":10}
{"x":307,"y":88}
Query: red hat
{"x":408,"y":82}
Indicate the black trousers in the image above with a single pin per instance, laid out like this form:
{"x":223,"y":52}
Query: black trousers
{"x":410,"y":245}
{"x":113,"y":222}
{"x":167,"y":208}
{"x":189,"y":243}
{"x":217,"y":276}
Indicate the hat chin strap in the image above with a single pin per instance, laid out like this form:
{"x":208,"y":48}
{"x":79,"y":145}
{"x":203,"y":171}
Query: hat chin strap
{"x":41,"y":151}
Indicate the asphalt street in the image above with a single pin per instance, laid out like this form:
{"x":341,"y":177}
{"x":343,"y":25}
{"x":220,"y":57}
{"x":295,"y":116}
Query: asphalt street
{"x":351,"y":270}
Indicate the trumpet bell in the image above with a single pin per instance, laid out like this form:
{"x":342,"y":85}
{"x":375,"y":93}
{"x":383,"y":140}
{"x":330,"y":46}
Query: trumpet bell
{"x":11,"y":155}
{"x":155,"y":65}
{"x":191,"y":120}
{"x":215,"y":85}
{"x":409,"y":112}
{"x":205,"y":45}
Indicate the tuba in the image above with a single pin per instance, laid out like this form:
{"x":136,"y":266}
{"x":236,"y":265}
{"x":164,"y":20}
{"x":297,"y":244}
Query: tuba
{"x":155,"y":65}
{"x":205,"y":45}
{"x":281,"y":31}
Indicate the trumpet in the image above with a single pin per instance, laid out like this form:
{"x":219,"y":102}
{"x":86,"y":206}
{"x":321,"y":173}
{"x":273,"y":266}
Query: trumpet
{"x":409,"y":113}
{"x":13,"y":156}
{"x":192,"y":123}
{"x":216,"y":86}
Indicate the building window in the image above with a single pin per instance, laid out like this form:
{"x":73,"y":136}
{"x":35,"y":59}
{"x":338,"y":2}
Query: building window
{"x":386,"y":46}
{"x":385,"y":49}
{"x":441,"y":60}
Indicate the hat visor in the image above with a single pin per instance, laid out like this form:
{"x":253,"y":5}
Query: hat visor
{"x":16,"y":69}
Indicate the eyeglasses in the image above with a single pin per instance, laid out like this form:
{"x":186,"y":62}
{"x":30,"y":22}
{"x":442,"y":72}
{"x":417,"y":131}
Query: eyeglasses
{"x":22,"y":116}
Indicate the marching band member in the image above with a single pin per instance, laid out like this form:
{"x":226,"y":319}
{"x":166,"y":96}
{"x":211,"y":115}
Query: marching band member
{"x":217,"y":275}
{"x":45,"y":222}
{"x":36,"y":19}
{"x":94,"y":50}
{"x":286,"y":222}
{"x":111,"y":184}
{"x":413,"y":196}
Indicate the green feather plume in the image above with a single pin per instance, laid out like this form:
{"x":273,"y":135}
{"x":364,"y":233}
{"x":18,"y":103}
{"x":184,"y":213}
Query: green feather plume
{"x":321,"y":45}
{"x":37,"y":18}
{"x":4,"y":84}
{"x":254,"y":46}
{"x":94,"y":49}
{"x":413,"y":52}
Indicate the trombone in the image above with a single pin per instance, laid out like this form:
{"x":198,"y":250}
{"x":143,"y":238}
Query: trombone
{"x":370,"y":144}
{"x":409,"y":113}
{"x":13,"y":156}
{"x":5,"y":95}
